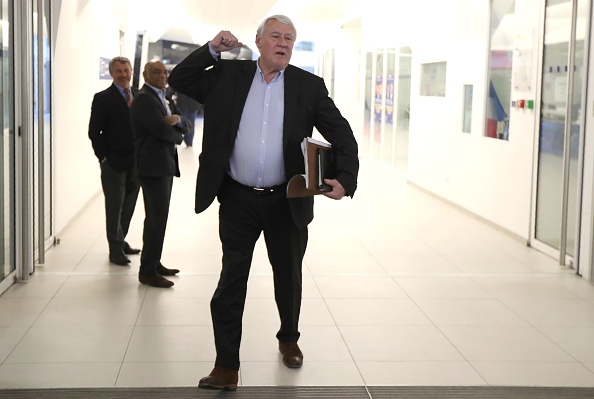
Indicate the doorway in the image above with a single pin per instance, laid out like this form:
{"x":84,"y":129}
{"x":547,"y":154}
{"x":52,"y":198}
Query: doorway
{"x":561,"y":125}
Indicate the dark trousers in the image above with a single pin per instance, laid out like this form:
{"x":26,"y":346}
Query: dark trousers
{"x":156,"y":192}
{"x":120,"y":189}
{"x":243,"y":215}
{"x":190,"y":115}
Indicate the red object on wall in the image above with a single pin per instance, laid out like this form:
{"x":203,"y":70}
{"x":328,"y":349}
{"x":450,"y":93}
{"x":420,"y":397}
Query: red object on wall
{"x":492,"y":128}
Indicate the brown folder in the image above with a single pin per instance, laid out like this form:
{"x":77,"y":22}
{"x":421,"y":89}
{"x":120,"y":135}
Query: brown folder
{"x":319,"y":165}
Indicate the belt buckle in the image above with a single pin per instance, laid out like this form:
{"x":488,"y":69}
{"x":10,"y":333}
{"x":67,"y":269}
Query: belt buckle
{"x":258,"y":190}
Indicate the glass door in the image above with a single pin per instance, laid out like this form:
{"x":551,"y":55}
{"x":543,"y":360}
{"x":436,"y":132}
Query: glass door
{"x":367,"y":104}
{"x":397,"y":106}
{"x":561,"y":126}
{"x":25,"y":163}
{"x":7,"y":150}
{"x":402,"y":113}
{"x":378,"y":105}
{"x":389,"y":120}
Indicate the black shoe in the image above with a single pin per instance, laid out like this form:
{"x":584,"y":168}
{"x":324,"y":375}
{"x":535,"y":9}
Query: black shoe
{"x":128,"y":250}
{"x":163,"y":271}
{"x":121,"y":260}
{"x":155,"y":281}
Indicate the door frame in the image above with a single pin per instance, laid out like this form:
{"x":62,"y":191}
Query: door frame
{"x":563,"y":258}
{"x":585,"y":259}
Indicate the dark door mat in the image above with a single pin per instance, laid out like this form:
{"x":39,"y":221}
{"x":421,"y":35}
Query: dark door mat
{"x":274,"y":392}
{"x":480,"y":392}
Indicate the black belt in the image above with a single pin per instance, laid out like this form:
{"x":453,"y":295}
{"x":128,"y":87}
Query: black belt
{"x":260,"y":190}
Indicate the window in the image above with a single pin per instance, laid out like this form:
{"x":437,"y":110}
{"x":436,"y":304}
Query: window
{"x":467,"y":109}
{"x":304,"y":46}
{"x":433,"y":79}
{"x":500,"y":68}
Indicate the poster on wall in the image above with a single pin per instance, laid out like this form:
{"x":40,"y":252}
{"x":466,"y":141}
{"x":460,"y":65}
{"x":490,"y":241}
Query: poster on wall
{"x":378,"y":98}
{"x":390,"y":99}
{"x":104,"y":68}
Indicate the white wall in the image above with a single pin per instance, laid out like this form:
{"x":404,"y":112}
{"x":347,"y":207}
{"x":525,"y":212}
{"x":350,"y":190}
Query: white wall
{"x":346,"y":41}
{"x":490,"y":178}
{"x":86,"y":31}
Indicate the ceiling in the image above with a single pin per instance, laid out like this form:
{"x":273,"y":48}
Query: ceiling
{"x":196,"y":21}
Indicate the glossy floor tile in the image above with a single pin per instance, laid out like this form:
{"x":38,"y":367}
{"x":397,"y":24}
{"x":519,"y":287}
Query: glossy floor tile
{"x":399,"y":288}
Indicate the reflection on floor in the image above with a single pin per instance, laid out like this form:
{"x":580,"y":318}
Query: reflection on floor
{"x":399,"y":289}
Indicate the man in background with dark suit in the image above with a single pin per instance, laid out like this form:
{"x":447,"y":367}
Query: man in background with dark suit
{"x":111,"y":136}
{"x":157,"y":128}
{"x":256,"y":115}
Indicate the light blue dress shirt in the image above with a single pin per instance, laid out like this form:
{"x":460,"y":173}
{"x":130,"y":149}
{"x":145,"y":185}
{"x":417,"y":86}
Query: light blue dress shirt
{"x":257,"y":156}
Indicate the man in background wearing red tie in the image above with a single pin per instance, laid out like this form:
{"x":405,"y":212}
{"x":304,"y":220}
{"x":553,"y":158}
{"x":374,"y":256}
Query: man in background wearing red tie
{"x":111,"y":135}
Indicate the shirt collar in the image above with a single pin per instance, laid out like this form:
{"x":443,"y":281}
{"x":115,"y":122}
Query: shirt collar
{"x":121,"y":89}
{"x":160,"y":92}
{"x":277,"y":77}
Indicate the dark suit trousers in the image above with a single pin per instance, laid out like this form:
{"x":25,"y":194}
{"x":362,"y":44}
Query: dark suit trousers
{"x":120,"y":189}
{"x":243,"y":216}
{"x":190,"y":115}
{"x":156,"y":192}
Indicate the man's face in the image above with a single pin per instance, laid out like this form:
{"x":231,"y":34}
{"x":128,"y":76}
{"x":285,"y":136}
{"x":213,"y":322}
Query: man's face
{"x":121,"y":74}
{"x":276,"y":46}
{"x":156,"y":74}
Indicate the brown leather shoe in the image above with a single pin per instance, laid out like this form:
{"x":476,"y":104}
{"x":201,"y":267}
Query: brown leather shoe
{"x":292,"y":356}
{"x":155,"y":281}
{"x":220,"y":378}
{"x":163,"y":271}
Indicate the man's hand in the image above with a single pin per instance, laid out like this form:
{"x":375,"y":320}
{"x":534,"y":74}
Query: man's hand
{"x":224,"y":41}
{"x":338,"y":190}
{"x":172,"y":119}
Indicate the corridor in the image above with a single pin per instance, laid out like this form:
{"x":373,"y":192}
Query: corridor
{"x":400,"y":288}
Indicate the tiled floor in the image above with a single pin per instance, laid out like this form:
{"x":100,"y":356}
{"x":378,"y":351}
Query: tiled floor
{"x":399,"y":289}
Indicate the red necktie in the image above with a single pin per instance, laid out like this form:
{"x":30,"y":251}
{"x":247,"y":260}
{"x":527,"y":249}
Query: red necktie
{"x":127,"y":97}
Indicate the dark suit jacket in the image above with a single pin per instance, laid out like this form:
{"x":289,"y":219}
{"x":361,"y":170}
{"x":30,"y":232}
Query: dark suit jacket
{"x":110,"y":130}
{"x":223,"y":90}
{"x":155,"y":153}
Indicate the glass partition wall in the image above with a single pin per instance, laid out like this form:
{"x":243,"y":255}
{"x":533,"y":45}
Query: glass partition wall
{"x":25,"y":113}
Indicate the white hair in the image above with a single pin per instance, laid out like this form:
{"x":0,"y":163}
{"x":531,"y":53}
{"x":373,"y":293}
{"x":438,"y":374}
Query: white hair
{"x":283,"y":19}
